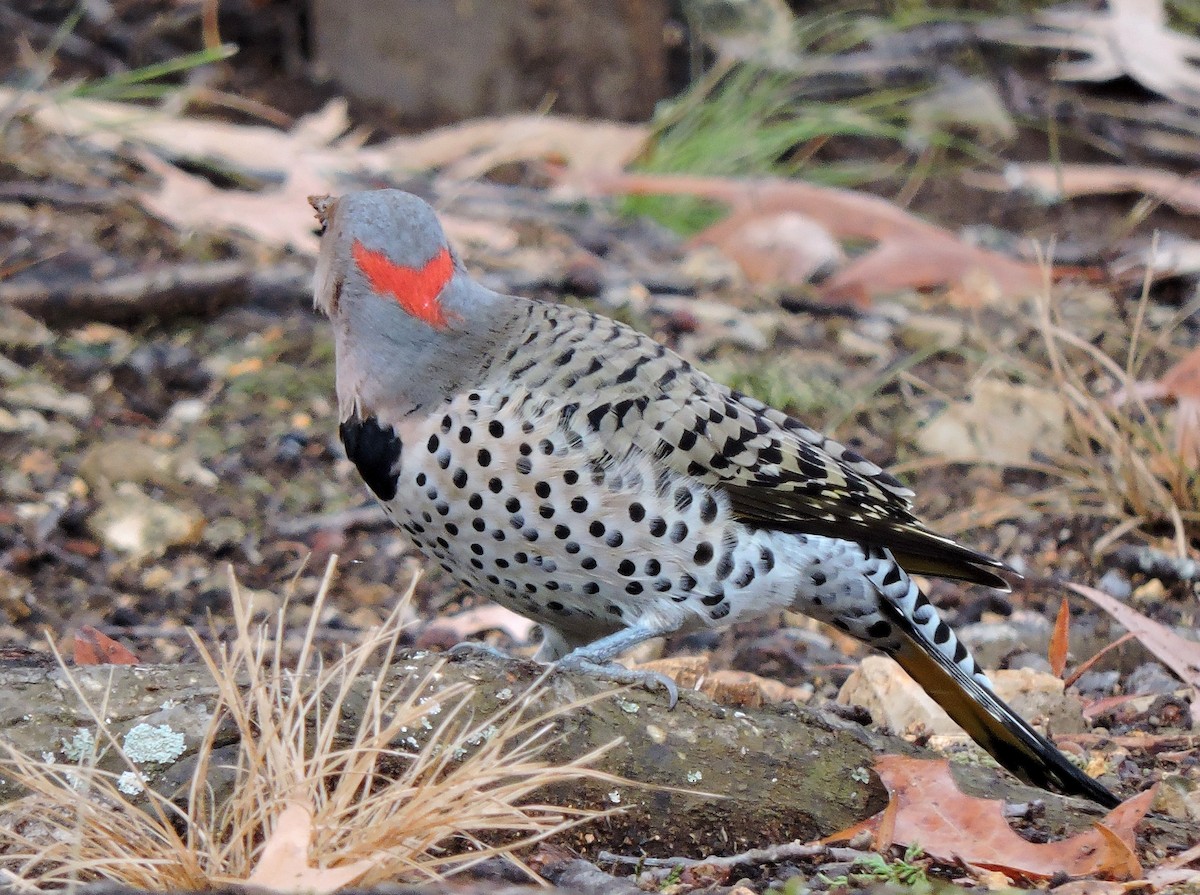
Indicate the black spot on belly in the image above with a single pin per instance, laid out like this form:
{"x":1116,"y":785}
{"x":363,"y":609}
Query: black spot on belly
{"x":375,"y":450}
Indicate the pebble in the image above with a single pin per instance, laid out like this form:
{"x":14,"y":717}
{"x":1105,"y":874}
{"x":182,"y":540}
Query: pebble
{"x":129,"y":522}
{"x":1031,"y":660}
{"x":45,"y":397}
{"x":1150,"y":591}
{"x":1115,"y":584}
{"x":1098,"y":683}
{"x":1151,"y":678}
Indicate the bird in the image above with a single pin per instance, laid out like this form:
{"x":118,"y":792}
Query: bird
{"x":587,"y":477}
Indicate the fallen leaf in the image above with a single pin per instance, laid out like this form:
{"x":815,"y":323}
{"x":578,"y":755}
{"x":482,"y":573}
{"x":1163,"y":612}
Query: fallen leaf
{"x":95,"y":648}
{"x":909,"y":253}
{"x":1060,"y":639}
{"x":1178,"y":653}
{"x":929,"y":809}
{"x":489,"y":617}
{"x":1173,"y":871}
{"x":1070,"y":181}
{"x":1130,"y":38}
{"x":317,"y":156}
{"x":471,"y":149}
{"x":284,"y":866}
{"x":1181,"y":384}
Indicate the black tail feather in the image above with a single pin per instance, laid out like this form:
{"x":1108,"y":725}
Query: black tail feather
{"x":990,"y":722}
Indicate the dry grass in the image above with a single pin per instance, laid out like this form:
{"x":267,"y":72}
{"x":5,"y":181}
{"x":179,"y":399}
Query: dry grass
{"x":421,"y":788}
{"x":1124,"y":458}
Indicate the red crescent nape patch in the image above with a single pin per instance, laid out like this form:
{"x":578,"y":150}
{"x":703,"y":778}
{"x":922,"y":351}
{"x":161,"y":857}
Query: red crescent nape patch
{"x":415,"y":289}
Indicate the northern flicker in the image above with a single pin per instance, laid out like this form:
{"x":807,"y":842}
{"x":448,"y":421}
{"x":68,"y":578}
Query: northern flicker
{"x":587,"y":477}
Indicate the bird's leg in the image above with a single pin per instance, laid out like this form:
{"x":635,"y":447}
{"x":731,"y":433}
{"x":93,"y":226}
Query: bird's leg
{"x":596,"y":660}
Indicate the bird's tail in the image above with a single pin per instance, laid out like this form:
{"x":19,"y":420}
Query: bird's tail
{"x":981,"y":713}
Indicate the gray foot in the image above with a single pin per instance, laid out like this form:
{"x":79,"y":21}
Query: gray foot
{"x":619,"y":674}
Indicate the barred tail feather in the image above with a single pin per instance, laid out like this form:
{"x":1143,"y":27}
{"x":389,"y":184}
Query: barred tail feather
{"x":990,"y":722}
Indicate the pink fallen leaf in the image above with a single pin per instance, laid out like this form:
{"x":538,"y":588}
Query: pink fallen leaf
{"x":1178,"y":653}
{"x":909,"y":253}
{"x":284,"y":865}
{"x":1070,"y":181}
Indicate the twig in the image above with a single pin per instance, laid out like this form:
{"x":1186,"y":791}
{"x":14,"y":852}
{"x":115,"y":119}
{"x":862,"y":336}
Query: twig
{"x":63,"y":195}
{"x":1155,"y":563}
{"x":368,"y":517}
{"x":186,"y":289}
{"x":1151,"y":744}
{"x":1078,"y":672}
{"x":775,"y":854}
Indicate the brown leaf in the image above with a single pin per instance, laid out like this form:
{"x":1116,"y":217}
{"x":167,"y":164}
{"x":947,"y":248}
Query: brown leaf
{"x":1060,"y":639}
{"x":930,"y":810}
{"x":1069,"y":181}
{"x":909,"y":253}
{"x":94,"y":648}
{"x":284,"y":866}
{"x":314,"y":157}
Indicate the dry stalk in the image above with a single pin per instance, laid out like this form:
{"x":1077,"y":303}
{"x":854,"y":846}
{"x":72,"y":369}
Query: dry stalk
{"x":418,"y":789}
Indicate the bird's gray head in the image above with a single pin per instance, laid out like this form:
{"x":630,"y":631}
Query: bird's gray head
{"x":410,"y":326}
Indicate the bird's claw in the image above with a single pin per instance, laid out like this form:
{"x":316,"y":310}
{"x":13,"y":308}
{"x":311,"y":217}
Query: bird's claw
{"x":619,"y":674}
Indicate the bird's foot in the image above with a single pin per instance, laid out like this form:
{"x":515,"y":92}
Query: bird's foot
{"x":619,"y":674}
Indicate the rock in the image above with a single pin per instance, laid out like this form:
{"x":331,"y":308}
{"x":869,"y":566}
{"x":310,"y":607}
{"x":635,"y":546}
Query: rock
{"x":709,"y":267}
{"x":962,"y":104}
{"x":19,"y":330}
{"x":1098,"y":683}
{"x":712,"y":323}
{"x":993,"y":642}
{"x":898,"y":704}
{"x":1114,"y":583}
{"x":45,"y":397}
{"x":10,"y":370}
{"x":1151,"y":678}
{"x":130,"y":460}
{"x":1178,"y":797}
{"x":785,"y":249}
{"x":224,"y":532}
{"x":130,"y":522}
{"x":1031,"y":661}
{"x":925,"y":332}
{"x":1002,"y":423}
{"x":1152,"y":591}
{"x":863,"y":346}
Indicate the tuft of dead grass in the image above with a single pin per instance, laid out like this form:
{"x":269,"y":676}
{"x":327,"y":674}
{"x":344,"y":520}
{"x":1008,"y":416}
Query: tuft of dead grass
{"x":1123,"y":456}
{"x":333,"y":781}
